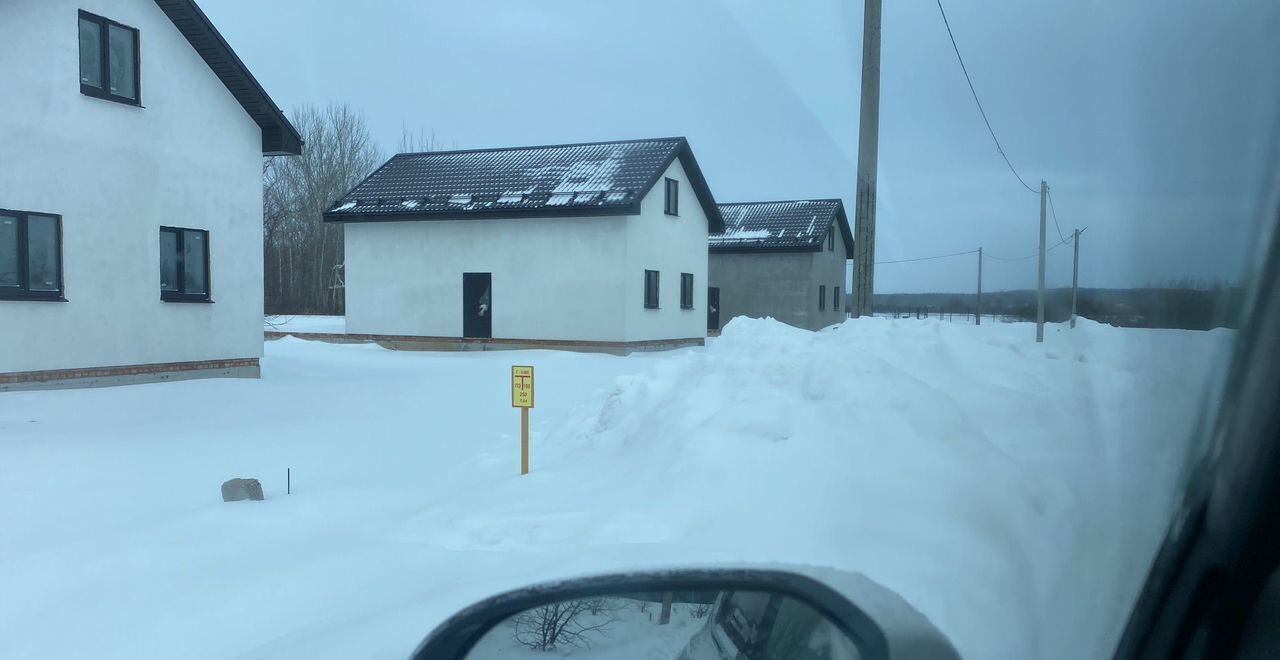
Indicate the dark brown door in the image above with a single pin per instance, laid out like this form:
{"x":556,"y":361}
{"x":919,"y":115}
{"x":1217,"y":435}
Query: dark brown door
{"x":713,"y":308}
{"x":477,"y":305}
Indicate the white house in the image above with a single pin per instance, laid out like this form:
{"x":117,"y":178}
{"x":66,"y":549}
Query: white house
{"x":131,"y":144}
{"x":781,"y":259}
{"x":599,"y":246}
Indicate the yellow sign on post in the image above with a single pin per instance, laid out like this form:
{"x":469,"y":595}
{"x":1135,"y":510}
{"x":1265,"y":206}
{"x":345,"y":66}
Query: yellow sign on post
{"x":522,"y":398}
{"x":521,"y":387}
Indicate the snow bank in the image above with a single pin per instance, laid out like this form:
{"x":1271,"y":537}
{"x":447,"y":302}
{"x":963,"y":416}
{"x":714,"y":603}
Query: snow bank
{"x":1013,"y":492}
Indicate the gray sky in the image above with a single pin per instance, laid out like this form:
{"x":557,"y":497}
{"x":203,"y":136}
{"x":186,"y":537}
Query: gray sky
{"x":1151,"y":120}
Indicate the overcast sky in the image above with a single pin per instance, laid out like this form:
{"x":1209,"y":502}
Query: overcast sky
{"x":1151,"y":120}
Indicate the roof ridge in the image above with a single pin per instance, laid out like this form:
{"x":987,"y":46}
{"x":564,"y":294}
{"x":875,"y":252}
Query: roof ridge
{"x":676,"y":138}
{"x":782,"y":201}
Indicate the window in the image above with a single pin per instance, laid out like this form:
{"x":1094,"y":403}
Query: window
{"x":30,"y":256}
{"x":831,"y":239}
{"x":108,"y":59}
{"x":184,"y":265}
{"x":822,"y":297}
{"x":651,"y":289}
{"x":686,"y":290}
{"x":835,"y":299}
{"x":673,"y":197}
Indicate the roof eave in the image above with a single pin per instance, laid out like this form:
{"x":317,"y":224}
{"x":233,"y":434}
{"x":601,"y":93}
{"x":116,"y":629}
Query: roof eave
{"x":492,"y":214}
{"x":744,"y":249}
{"x":845,"y":231}
{"x":279,"y":137}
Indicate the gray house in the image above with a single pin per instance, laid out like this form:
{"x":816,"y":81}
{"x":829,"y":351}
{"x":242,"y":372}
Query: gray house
{"x":780,"y":259}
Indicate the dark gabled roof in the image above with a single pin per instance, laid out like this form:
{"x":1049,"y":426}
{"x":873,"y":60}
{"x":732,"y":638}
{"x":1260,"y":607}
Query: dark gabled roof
{"x":279,"y":137}
{"x":595,"y":178}
{"x":790,"y":226}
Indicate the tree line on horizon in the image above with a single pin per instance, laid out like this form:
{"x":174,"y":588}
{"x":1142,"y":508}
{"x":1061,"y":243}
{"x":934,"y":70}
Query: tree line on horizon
{"x":302,"y":254}
{"x":1182,"y":304}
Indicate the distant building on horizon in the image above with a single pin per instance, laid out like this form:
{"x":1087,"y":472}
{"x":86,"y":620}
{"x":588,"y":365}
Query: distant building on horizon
{"x":594,"y":246}
{"x":782,"y":259}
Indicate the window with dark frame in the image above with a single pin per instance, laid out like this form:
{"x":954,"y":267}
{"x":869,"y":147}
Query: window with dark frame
{"x":835,"y":299}
{"x":109,"y":60}
{"x":30,"y":256}
{"x":686,"y":290}
{"x":184,"y":265}
{"x":831,"y":239}
{"x":651,"y":289}
{"x":673,"y":197}
{"x":822,"y":297}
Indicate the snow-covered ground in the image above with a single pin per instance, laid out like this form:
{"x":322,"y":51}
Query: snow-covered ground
{"x":1013,"y":492}
{"x":305,"y":323}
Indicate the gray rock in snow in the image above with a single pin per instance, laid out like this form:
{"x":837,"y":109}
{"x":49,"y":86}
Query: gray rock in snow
{"x":241,"y":489}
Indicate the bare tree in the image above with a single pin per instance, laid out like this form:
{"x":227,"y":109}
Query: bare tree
{"x":567,"y":623}
{"x":421,"y":141}
{"x":302,"y":254}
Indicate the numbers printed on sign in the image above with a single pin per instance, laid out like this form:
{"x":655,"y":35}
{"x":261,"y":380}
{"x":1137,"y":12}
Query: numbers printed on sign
{"x":521,"y":387}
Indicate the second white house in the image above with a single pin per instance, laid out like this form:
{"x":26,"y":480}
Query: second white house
{"x":598,"y":246}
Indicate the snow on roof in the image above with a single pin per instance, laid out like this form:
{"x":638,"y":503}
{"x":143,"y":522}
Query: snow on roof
{"x":791,"y":225}
{"x":605,"y":176}
{"x":744,"y":235}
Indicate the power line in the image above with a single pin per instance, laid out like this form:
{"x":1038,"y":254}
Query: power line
{"x":1033,"y":255}
{"x":940,"y":256}
{"x":975,"y":100}
{"x":1061,"y":237}
{"x":988,"y":255}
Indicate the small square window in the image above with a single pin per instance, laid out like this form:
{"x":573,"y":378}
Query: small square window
{"x":30,"y":256}
{"x":672,"y":198}
{"x":651,"y":289}
{"x":184,"y":265}
{"x":822,"y":297}
{"x":108,"y":59}
{"x":686,"y":290}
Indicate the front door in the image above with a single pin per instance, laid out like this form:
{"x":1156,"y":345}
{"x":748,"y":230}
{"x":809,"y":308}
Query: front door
{"x":713,"y":308}
{"x":477,"y":305}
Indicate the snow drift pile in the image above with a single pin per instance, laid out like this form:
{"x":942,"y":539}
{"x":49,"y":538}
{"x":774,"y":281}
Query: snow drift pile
{"x":1014,"y":492}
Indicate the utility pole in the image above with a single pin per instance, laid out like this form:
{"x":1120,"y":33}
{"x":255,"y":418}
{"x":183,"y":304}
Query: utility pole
{"x":1075,"y":275}
{"x":978,"y":316}
{"x":864,"y":242}
{"x":1044,"y":193}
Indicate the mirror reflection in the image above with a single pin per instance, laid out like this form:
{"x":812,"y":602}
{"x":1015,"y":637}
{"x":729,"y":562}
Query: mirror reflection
{"x":673,"y":625}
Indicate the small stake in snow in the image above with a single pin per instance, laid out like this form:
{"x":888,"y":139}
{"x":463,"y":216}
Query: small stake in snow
{"x":522,"y":398}
{"x":288,"y":481}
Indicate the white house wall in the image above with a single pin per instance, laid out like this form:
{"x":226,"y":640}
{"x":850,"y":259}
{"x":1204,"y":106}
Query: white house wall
{"x":553,"y":278}
{"x":189,"y":157}
{"x":670,"y":245}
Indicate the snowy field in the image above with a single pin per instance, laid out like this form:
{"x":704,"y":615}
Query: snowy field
{"x":1013,"y":492}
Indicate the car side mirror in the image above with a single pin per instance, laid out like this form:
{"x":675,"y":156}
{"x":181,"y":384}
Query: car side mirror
{"x":799,"y":613}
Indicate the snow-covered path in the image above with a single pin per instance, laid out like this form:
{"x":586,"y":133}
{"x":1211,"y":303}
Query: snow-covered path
{"x":1012,"y":492}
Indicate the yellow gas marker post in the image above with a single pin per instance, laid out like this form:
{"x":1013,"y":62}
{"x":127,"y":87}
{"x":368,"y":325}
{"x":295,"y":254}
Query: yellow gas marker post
{"x":522,"y":398}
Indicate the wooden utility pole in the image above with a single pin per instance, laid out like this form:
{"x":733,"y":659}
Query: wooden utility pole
{"x":978,"y":317}
{"x":665,"y":616}
{"x":1044,"y":193}
{"x":1075,"y":275}
{"x":864,"y":242}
